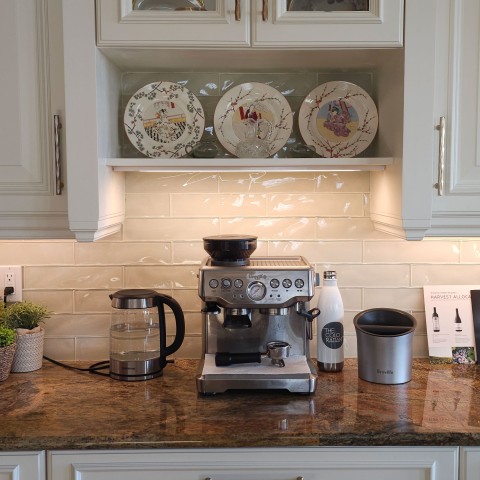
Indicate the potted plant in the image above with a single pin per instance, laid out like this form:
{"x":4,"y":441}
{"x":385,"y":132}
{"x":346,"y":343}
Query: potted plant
{"x":7,"y":350}
{"x":26,"y":318}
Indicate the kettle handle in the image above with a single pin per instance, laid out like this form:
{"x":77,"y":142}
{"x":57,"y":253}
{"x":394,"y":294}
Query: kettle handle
{"x":179,"y":323}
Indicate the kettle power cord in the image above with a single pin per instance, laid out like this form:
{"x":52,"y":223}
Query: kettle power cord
{"x":95,"y":368}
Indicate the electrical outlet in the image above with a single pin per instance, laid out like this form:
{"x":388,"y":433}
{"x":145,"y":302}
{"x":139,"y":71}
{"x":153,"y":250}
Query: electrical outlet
{"x":11,"y":276}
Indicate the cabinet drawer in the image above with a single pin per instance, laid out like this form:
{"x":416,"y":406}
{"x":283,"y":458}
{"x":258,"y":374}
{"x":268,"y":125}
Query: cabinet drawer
{"x":372,"y":463}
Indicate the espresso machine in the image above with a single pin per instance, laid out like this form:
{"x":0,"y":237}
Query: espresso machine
{"x":256,"y":319}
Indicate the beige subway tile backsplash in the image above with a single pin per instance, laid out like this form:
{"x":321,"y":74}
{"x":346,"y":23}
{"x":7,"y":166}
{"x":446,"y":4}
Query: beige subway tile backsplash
{"x":321,"y":216}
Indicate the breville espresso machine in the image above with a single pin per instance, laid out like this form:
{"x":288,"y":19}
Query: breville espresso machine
{"x":256,"y":319}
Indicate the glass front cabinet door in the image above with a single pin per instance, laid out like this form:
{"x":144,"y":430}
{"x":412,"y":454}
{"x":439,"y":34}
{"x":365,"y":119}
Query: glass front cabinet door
{"x":250,"y":23}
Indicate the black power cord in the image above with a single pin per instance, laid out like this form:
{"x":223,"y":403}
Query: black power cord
{"x":95,"y":368}
{"x":6,"y":292}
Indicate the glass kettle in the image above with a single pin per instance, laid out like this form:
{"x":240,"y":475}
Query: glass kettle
{"x":138,"y":347}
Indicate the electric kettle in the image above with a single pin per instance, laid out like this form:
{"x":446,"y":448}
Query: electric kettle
{"x":138,"y":349}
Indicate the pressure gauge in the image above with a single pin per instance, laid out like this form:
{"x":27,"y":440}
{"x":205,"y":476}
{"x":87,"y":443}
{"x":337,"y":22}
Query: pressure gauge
{"x":256,"y":291}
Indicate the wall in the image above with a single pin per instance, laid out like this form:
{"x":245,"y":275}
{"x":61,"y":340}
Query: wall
{"x":322,"y":216}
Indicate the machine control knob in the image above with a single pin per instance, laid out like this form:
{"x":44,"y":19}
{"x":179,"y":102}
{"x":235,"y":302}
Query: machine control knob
{"x":274,"y":283}
{"x":287,"y":283}
{"x":238,"y":283}
{"x":299,"y":283}
{"x":213,"y":283}
{"x":256,"y":291}
{"x":226,"y":283}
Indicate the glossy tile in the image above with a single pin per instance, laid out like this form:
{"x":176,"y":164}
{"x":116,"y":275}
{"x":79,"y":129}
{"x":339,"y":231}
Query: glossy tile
{"x":322,"y":252}
{"x":72,"y":277}
{"x":123,"y":253}
{"x":161,"y":277}
{"x":169,"y":229}
{"x":426,"y":251}
{"x":400,"y":298}
{"x":373,"y":275}
{"x":209,"y":205}
{"x":171,"y":183}
{"x":35,"y":252}
{"x":333,"y":205}
{"x":470,"y":251}
{"x":58,"y":301}
{"x":445,"y":275}
{"x":147,"y":205}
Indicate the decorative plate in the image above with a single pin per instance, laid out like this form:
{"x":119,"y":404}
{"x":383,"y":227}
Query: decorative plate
{"x":339,"y":119}
{"x":255,"y":101}
{"x":162,"y":118}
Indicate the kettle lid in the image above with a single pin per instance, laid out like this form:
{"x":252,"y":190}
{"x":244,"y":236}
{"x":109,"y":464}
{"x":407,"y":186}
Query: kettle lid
{"x":134,"y":298}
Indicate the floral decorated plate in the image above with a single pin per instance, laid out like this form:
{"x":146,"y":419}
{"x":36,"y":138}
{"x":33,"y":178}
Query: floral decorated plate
{"x":339,"y":119}
{"x":253,"y":101}
{"x":163,"y":118}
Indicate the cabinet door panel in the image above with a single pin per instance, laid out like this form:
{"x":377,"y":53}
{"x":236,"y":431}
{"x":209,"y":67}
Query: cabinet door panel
{"x":380,"y":25}
{"x":119,"y":24}
{"x":22,"y":466}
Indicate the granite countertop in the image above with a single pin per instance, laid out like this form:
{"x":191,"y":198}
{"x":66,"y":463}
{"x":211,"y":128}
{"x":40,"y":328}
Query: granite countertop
{"x":56,"y":408}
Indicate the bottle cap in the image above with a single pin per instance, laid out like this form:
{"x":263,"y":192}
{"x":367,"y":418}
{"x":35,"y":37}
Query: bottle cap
{"x":329,"y":274}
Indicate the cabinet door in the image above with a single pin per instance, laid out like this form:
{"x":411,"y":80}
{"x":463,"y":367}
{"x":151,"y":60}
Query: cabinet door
{"x":469,"y":463}
{"x":32,"y":93}
{"x":456,"y":210}
{"x":373,"y":463}
{"x":22,"y":466}
{"x":221,"y":24}
{"x":326,"y":24}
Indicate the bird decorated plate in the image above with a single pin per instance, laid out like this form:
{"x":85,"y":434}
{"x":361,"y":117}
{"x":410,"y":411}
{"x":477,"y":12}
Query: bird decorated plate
{"x":162,"y":119}
{"x":339,"y":119}
{"x":249,"y":102}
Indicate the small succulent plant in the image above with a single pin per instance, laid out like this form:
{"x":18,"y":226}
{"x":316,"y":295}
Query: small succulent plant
{"x":25,"y":315}
{"x":7,"y":336}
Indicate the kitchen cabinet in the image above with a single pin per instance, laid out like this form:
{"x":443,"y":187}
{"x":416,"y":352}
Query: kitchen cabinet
{"x":469,"y":463}
{"x":93,"y":90}
{"x":258,"y":24}
{"x":372,"y":463}
{"x":22,"y":465}
{"x":435,"y":189}
{"x":32,"y":94}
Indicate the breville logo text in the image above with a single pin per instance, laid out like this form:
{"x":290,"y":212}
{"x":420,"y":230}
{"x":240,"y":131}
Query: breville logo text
{"x":385,"y":372}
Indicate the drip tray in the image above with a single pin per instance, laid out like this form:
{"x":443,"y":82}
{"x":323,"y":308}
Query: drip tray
{"x":298,"y":375}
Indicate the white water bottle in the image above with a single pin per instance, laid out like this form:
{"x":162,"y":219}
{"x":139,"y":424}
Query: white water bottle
{"x":330,"y":325}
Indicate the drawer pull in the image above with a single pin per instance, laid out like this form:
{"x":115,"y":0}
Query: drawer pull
{"x":297,"y":478}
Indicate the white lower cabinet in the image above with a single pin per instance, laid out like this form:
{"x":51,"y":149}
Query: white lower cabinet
{"x":307,"y":463}
{"x":22,"y":465}
{"x":469,"y":463}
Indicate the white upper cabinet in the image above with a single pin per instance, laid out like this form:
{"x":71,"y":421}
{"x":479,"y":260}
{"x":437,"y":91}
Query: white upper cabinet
{"x":256,"y":23}
{"x":433,"y":188}
{"x":32,"y":93}
{"x":456,"y":198}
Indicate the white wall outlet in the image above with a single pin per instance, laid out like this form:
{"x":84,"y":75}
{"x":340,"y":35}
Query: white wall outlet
{"x":11,"y":276}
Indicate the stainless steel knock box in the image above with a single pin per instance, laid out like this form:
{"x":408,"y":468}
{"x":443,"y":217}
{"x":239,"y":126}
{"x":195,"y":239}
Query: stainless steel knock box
{"x":384,"y":345}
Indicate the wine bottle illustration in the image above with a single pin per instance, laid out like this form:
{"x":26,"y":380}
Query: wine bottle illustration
{"x":435,"y":320}
{"x":458,"y":321}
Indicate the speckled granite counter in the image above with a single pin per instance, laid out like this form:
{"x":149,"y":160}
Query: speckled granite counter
{"x":55,"y":408}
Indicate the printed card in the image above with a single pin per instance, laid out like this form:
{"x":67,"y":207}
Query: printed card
{"x":450,"y":331}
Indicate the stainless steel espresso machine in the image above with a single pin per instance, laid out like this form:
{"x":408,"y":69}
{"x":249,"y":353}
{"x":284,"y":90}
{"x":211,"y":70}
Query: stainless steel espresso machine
{"x":256,"y":319}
